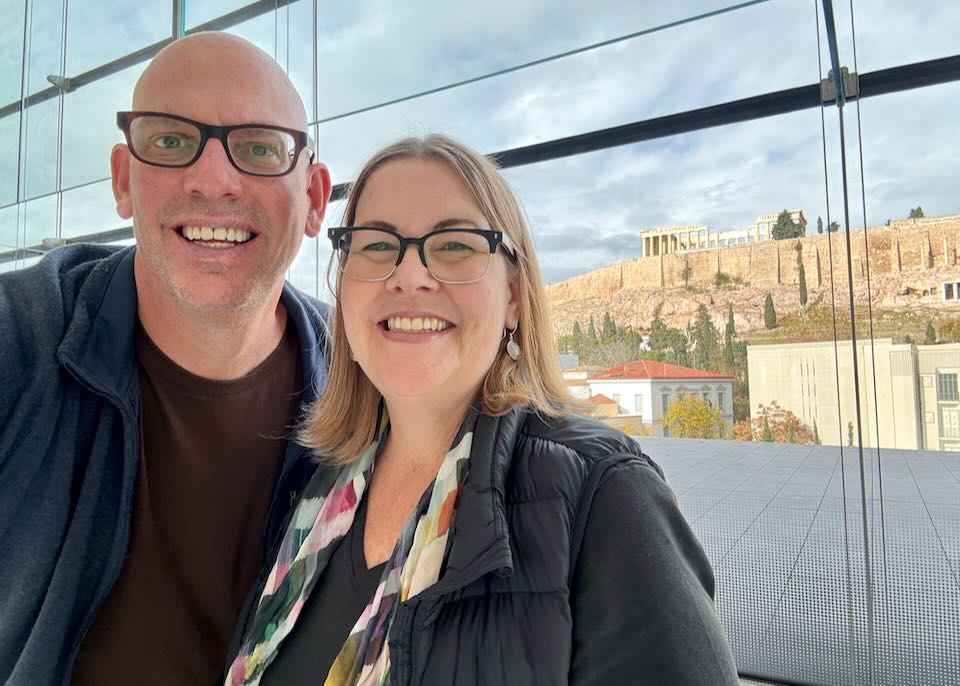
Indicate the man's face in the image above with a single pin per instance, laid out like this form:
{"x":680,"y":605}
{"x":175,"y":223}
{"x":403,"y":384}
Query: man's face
{"x":177,"y":211}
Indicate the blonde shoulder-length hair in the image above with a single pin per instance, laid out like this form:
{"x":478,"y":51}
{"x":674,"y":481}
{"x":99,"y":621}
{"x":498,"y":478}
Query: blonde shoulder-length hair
{"x":342,"y":422}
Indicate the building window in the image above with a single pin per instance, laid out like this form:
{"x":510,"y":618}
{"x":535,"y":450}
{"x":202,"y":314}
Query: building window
{"x":706,"y":397}
{"x":638,"y":403}
{"x":948,"y":291}
{"x":616,"y":399}
{"x":721,"y":400}
{"x":666,"y":402}
{"x":947,"y":388}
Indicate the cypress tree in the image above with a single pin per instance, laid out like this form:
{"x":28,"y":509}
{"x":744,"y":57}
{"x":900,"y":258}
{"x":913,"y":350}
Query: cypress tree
{"x":577,"y":338}
{"x":769,"y":314}
{"x":803,"y":285}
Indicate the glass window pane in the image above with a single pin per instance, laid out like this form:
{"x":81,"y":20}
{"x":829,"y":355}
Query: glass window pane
{"x":9,"y":229}
{"x":39,"y":161}
{"x":894,"y":33}
{"x":200,"y":11}
{"x":11,"y":50}
{"x":632,"y":80}
{"x":45,"y":44}
{"x":130,"y":26}
{"x":40,"y":221}
{"x":89,"y":125}
{"x":90,"y":209}
{"x":10,"y":142}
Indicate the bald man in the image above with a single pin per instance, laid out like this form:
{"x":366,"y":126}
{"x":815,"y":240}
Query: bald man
{"x":147,"y":394}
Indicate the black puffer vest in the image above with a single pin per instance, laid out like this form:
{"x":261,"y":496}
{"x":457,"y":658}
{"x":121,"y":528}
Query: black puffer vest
{"x":501,"y":612}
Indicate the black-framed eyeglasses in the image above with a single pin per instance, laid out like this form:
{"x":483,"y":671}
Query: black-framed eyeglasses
{"x":168,"y":140}
{"x":450,"y":255}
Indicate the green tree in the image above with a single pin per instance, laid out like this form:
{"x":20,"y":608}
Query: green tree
{"x":833,"y":227}
{"x":691,"y":417}
{"x":767,"y":435}
{"x":803,"y":285}
{"x":609,"y":331}
{"x":728,"y":333}
{"x":577,"y":343}
{"x":849,"y":434}
{"x":816,"y":433}
{"x":931,"y":335}
{"x":819,"y":225}
{"x":703,"y":339}
{"x":785,"y":227}
{"x":686,"y":272}
{"x":592,"y":332}
{"x":769,"y":314}
{"x":801,"y":273}
{"x":916,"y":212}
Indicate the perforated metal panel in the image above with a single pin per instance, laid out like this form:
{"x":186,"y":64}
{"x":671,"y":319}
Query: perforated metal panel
{"x":783,"y":526}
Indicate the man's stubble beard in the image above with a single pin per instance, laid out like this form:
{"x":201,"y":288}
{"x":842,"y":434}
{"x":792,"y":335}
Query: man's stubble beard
{"x":245,"y":301}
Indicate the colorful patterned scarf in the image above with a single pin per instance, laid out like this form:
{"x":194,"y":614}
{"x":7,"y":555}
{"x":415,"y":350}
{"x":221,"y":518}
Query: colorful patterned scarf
{"x":321,"y":519}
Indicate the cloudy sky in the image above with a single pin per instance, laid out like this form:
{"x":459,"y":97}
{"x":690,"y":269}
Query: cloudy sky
{"x":585,"y":211}
{"x":588,"y":211}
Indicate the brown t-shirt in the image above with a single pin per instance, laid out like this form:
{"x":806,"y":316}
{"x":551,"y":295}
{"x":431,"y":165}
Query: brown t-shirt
{"x":210,"y":455}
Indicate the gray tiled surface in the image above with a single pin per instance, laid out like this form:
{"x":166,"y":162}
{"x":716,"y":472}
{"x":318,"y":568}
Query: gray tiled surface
{"x":783,"y":526}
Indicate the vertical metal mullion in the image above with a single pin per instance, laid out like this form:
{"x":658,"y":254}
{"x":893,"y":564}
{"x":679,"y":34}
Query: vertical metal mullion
{"x":841,"y":100}
{"x":316,"y":137}
{"x":60,"y":105}
{"x":177,"y":19}
{"x":22,"y":149}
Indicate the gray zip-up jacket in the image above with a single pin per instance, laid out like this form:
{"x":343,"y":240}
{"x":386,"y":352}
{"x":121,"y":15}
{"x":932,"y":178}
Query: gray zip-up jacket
{"x":69,"y":402}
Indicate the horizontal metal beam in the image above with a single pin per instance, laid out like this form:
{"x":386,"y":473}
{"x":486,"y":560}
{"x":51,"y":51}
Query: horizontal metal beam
{"x":121,"y":234}
{"x":881,"y":82}
{"x":917,"y":75}
{"x":254,"y":9}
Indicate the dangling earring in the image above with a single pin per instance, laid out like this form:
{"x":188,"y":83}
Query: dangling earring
{"x":513,"y":349}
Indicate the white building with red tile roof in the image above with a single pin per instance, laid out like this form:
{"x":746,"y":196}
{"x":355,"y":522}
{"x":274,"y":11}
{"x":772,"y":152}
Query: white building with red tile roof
{"x":644,"y":389}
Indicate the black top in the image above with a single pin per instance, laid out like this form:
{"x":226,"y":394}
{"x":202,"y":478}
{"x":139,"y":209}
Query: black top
{"x":332,"y":608}
{"x":624,"y":631}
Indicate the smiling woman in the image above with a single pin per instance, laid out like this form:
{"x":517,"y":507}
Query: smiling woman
{"x":464,"y":526}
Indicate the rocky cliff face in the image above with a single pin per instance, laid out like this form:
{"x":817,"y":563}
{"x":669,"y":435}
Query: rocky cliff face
{"x":901,"y":266}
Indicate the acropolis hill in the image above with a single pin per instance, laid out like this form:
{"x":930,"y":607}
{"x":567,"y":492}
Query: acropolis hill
{"x":908,"y":262}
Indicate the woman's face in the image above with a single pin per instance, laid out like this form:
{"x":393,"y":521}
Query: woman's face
{"x":444,"y":364}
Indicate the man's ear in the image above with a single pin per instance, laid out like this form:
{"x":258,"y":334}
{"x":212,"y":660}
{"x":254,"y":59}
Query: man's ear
{"x":318,"y":193}
{"x":120,"y":171}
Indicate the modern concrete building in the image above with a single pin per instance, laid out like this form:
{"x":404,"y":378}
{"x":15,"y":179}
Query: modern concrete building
{"x":908,"y":394}
{"x":938,"y":367}
{"x":643,"y":390}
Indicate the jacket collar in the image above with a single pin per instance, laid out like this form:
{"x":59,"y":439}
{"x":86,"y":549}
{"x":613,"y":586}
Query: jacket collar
{"x":481,"y":542}
{"x":98,"y":344}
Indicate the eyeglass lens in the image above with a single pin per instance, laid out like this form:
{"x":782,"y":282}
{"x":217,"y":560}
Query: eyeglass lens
{"x":452,"y":256}
{"x":171,"y":142}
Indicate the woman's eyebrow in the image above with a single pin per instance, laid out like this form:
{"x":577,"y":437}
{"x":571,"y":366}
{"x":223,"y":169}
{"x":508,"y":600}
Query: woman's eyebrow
{"x":456,"y":222}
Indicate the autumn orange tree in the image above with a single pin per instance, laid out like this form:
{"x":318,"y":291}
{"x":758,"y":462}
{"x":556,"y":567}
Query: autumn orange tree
{"x":782,"y":426}
{"x":691,"y":417}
